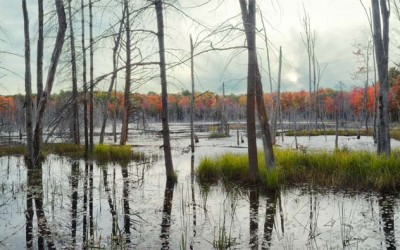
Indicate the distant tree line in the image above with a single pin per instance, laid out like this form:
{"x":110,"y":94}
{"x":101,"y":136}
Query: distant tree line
{"x":208,"y":106}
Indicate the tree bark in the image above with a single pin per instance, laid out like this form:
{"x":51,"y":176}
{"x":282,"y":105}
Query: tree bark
{"x":28,"y":89}
{"x":62,"y":26}
{"x":127,"y":99}
{"x":164,"y":94}
{"x":278,"y":100}
{"x":85,"y":111}
{"x":381,"y":37}
{"x":113,"y":77}
{"x":265,"y":130}
{"x":192,"y":95}
{"x":39,"y":68}
{"x":91,"y":103}
{"x":249,"y":23}
{"x":75,"y":108}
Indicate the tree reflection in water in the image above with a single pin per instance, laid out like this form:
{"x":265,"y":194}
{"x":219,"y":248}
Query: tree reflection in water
{"x":386,"y":211}
{"x":111,"y":203}
{"x":166,"y":216}
{"x":35,"y":195}
{"x":192,"y":179}
{"x":91,"y":223}
{"x":74,"y":180}
{"x":85,"y":200}
{"x":127,"y":214}
{"x":254,"y":205}
{"x":269,"y":223}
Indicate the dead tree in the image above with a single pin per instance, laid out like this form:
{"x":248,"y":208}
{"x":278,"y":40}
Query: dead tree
{"x":308,"y":42}
{"x":113,"y":77}
{"x":75,"y":108}
{"x":62,"y":26}
{"x":91,"y":72}
{"x":127,"y":100}
{"x":380,"y":13}
{"x":192,"y":95}
{"x":254,"y":92}
{"x":164,"y":94}
{"x":28,"y":89}
{"x":84,"y":79}
{"x":39,"y":63}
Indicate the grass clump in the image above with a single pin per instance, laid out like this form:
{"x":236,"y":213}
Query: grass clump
{"x":228,"y":167}
{"x":101,"y":153}
{"x":394,"y":133}
{"x":114,"y":153}
{"x":342,"y":132}
{"x":71,"y":150}
{"x":208,"y":171}
{"x":215,"y":135}
{"x":12,"y":150}
{"x":338,"y":169}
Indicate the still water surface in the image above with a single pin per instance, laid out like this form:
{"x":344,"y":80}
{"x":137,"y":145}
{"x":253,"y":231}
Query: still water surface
{"x":76,"y":204}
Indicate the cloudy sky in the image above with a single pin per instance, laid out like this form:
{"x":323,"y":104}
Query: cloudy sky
{"x":337,"y":24}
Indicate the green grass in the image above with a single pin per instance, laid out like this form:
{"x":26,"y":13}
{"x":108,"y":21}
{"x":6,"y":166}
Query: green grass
{"x":12,"y":150}
{"x":394,"y":133}
{"x":113,"y":153}
{"x":64,"y":149}
{"x":339,"y":169}
{"x":215,"y":135}
{"x":102,"y":153}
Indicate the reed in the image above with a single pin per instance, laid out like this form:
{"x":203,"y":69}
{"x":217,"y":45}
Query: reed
{"x":71,"y":150}
{"x":12,"y":150}
{"x":338,"y":169}
{"x":216,"y":135}
{"x":394,"y":133}
{"x":102,"y":153}
{"x":114,"y":153}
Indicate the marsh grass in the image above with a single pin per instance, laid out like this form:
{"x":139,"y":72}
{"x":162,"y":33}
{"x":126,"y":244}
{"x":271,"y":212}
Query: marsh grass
{"x":12,"y":150}
{"x":102,"y":153}
{"x":394,"y":133}
{"x":64,"y":149}
{"x":338,"y":169}
{"x":115,"y":153}
{"x":216,"y":135}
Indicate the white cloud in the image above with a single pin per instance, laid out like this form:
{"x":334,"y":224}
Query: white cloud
{"x":336,"y":23}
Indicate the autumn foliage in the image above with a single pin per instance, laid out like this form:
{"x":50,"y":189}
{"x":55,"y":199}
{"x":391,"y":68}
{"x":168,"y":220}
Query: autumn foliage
{"x":208,"y":105}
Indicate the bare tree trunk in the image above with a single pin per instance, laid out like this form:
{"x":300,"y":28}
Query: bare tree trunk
{"x":381,"y":37}
{"x":39,"y":69}
{"x":314,"y":59}
{"x":85,"y":111}
{"x":113,"y":77}
{"x":295,"y":127}
{"x":75,"y":109}
{"x":62,"y":26}
{"x":336,"y":128}
{"x":365,"y":100}
{"x":272,"y":129}
{"x":28,"y":90}
{"x":249,"y":21}
{"x":265,"y":130}
{"x":127,"y":98}
{"x":308,"y":40}
{"x":115,"y":113}
{"x":369,"y":14}
{"x":192,"y":95}
{"x":91,"y":104}
{"x":278,"y":96}
{"x":164,"y":95}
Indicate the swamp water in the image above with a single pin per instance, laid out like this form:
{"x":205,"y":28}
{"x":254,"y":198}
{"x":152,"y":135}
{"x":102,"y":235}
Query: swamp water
{"x":132,"y":207}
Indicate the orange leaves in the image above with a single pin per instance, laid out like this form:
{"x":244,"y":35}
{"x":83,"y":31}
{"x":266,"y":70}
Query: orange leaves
{"x":329,"y":105}
{"x":7,"y":104}
{"x":356,"y":100}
